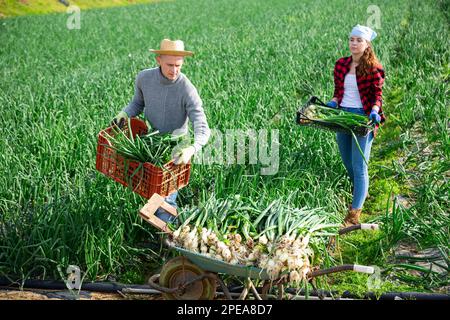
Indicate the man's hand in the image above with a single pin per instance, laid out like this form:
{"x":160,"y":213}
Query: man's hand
{"x":332,"y":104}
{"x":375,"y":117}
{"x":184,"y":155}
{"x":120,"y":119}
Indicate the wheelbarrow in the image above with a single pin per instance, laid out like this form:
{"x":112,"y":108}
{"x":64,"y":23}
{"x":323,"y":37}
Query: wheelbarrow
{"x":194,"y":276}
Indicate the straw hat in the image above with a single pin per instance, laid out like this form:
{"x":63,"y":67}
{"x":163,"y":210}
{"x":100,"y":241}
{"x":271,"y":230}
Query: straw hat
{"x":173,"y":48}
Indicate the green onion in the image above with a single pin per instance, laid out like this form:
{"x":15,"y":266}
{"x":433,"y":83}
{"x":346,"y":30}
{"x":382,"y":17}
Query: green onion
{"x":152,"y":147}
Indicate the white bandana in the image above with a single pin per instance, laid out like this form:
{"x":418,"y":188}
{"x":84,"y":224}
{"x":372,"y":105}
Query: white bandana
{"x":363,"y":32}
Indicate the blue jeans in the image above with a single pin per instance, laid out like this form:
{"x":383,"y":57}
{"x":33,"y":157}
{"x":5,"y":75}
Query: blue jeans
{"x":163,"y":214}
{"x":354,"y":162}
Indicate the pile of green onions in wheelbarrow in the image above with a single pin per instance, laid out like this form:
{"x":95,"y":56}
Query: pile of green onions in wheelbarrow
{"x":277,"y":239}
{"x":275,"y":243}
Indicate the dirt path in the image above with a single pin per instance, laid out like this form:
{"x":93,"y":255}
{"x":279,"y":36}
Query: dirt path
{"x":35,"y":294}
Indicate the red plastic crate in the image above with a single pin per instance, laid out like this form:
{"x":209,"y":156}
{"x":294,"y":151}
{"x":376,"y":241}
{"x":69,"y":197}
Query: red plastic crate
{"x":147,"y":180}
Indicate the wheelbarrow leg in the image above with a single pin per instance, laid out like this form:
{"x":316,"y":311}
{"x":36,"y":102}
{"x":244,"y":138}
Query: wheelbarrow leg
{"x":265,"y":289}
{"x":255,"y":292}
{"x":249,"y":286}
{"x":320,"y":294}
{"x":244,"y":292}
{"x":280,"y":291}
{"x":225,"y":290}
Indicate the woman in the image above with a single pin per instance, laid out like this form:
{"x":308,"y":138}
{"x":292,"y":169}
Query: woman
{"x":358,"y":81}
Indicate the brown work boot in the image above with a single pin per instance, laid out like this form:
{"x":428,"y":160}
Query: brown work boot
{"x":352,"y":217}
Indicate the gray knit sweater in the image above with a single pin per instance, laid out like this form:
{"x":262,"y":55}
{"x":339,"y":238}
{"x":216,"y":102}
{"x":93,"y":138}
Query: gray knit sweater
{"x":167,"y":104}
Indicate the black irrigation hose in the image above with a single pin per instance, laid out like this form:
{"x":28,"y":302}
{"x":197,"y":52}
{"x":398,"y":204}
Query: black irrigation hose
{"x":373,"y":296}
{"x":60,"y":285}
{"x":114,"y":287}
{"x":369,"y":295}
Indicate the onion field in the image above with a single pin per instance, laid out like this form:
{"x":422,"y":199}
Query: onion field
{"x":255,"y":63}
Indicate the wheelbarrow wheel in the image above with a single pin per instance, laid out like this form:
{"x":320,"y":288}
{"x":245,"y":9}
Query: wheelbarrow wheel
{"x":179,"y":271}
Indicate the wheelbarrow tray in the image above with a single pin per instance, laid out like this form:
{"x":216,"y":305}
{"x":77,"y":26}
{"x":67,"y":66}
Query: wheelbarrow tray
{"x":218,"y":266}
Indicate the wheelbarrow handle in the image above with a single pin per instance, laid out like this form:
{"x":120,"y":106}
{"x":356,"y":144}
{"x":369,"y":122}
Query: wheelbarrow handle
{"x":362,"y":226}
{"x":344,"y":267}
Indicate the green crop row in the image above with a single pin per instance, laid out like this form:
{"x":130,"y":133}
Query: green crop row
{"x":60,"y":87}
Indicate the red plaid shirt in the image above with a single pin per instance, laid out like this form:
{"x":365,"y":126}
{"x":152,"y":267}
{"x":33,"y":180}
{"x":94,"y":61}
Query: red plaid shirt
{"x":369,"y":87}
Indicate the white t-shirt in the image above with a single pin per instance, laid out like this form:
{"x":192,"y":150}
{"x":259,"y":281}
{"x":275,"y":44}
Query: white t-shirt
{"x":351,"y":97}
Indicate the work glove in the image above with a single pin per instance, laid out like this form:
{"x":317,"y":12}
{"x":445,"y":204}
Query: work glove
{"x":120,"y":119}
{"x":332,"y":104}
{"x":184,"y":155}
{"x":375,"y":117}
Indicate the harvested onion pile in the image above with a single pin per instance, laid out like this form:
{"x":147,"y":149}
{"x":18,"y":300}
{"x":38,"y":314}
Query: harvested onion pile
{"x":276,"y":239}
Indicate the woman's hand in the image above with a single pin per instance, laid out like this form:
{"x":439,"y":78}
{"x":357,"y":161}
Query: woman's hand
{"x":375,"y":117}
{"x":332,"y":104}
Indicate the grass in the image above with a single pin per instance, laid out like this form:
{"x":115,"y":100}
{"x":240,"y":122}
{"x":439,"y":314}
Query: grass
{"x":11,"y":8}
{"x":60,"y":87}
{"x":356,"y":284}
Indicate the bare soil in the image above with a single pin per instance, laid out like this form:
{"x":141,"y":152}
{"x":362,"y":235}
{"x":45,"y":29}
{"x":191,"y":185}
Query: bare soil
{"x":35,"y":294}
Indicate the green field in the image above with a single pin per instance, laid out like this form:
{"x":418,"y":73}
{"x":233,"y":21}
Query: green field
{"x":10,"y":8}
{"x":255,"y":62}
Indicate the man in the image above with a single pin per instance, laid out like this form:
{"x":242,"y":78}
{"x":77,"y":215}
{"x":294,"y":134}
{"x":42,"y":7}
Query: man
{"x":168,"y":99}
